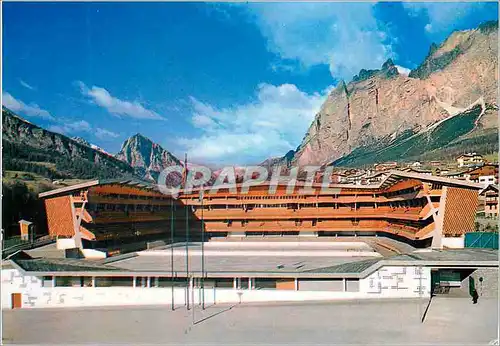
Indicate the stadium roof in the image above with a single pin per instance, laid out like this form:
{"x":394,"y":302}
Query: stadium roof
{"x":392,"y":178}
{"x":355,"y":268}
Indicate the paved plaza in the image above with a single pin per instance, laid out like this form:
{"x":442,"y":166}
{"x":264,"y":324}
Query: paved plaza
{"x":448,"y":321}
{"x":253,"y":255}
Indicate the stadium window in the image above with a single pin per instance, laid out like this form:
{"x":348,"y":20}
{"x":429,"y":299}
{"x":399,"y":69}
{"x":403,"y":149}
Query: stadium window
{"x":264,"y":283}
{"x":47,"y":281}
{"x":243,"y":283}
{"x":68,"y":281}
{"x":119,"y":281}
{"x":224,"y":282}
{"x":352,"y":285}
{"x":168,"y":282}
{"x":141,"y":281}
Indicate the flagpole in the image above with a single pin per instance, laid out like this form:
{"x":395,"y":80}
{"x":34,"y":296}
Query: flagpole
{"x":202,"y":253}
{"x":187,"y":235}
{"x":172,"y":246}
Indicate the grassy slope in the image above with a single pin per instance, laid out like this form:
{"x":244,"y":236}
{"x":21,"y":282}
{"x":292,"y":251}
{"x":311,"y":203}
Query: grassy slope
{"x":29,"y":148}
{"x":445,"y":141}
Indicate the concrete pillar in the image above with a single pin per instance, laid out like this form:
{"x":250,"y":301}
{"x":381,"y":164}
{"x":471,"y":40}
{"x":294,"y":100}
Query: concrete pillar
{"x":148,"y":282}
{"x":344,"y":285}
{"x":54,"y":281}
{"x":133,"y":282}
{"x":235,"y":283}
{"x":250,"y":283}
{"x":296,"y":284}
{"x":93,"y":281}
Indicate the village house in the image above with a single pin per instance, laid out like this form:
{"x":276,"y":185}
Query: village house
{"x":385,"y":166}
{"x":487,"y":174}
{"x":469,"y":159}
{"x":488,"y":200}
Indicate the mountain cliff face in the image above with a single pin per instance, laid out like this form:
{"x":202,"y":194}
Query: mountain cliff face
{"x":93,"y":146}
{"x":27,"y":147}
{"x":283,"y":161}
{"x":146,"y":157}
{"x":381,"y":107}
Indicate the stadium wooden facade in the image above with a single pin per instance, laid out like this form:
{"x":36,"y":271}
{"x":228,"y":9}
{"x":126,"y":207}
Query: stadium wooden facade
{"x":412,"y":206}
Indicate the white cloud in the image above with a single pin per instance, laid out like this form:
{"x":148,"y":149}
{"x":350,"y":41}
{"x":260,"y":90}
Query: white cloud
{"x":345,"y":37}
{"x":443,"y":17}
{"x":115,"y":106}
{"x":403,"y":70}
{"x":26,"y":85}
{"x":105,"y":134}
{"x":441,"y":14}
{"x":249,"y":133}
{"x":18,"y":106}
{"x":57,"y":128}
{"x":82,"y":126}
{"x":71,"y":127}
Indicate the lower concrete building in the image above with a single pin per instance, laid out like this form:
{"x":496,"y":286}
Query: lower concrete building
{"x":151,"y":277}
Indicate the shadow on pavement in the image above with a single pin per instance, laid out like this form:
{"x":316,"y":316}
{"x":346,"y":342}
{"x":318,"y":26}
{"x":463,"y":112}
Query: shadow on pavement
{"x":215,"y":314}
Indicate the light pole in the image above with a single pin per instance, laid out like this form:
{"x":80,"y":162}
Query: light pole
{"x":192,"y":295}
{"x":187,"y":255}
{"x":187,"y":234}
{"x":420,"y":292}
{"x":202,"y":253}
{"x":172,"y":247}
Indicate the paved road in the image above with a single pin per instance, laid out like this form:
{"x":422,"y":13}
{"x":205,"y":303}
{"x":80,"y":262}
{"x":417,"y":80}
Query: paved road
{"x":449,"y":321}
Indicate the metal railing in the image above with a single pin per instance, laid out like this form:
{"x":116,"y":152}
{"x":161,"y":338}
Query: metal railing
{"x":13,"y":244}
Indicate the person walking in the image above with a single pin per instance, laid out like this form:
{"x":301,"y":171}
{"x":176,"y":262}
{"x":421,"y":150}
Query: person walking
{"x":475,"y":296}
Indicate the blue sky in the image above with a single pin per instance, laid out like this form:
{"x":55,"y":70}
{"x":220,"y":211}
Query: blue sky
{"x":227,"y":83}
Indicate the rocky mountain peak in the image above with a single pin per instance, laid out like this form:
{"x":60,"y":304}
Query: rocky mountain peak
{"x":488,"y":27}
{"x":388,"y":64}
{"x":388,"y":70}
{"x":145,"y":156}
{"x":379,"y":106}
{"x":81,"y":141}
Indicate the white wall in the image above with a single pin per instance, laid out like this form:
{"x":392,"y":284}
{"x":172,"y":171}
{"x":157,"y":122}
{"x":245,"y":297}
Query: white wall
{"x":453,"y":242}
{"x":93,"y":254}
{"x":388,"y":282}
{"x":14,"y":282}
{"x":397,"y":282}
{"x":125,"y":296}
{"x":270,"y":253}
{"x":65,"y":243}
{"x":287,"y":244}
{"x":487,"y":179}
